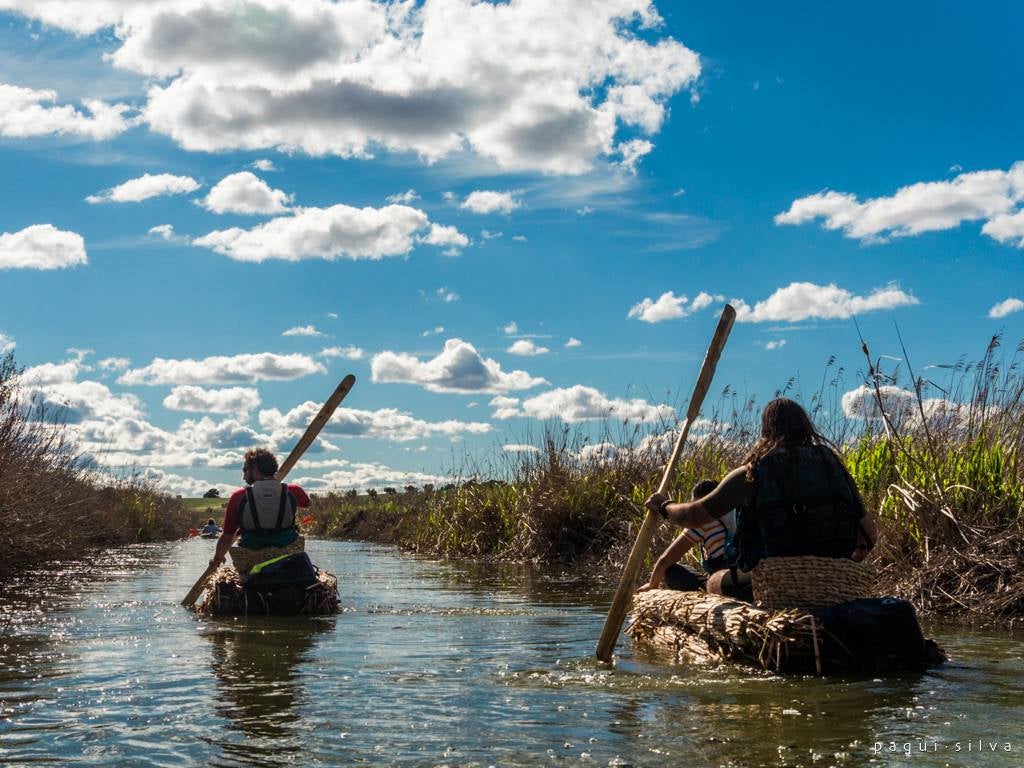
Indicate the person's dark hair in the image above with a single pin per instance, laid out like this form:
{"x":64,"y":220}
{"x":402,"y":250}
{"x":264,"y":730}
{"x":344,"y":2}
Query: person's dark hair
{"x":210,"y":522}
{"x":703,"y":488}
{"x":784,"y":424}
{"x":263,"y":460}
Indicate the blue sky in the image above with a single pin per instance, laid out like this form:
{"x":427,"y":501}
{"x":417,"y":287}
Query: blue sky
{"x":494,"y":215}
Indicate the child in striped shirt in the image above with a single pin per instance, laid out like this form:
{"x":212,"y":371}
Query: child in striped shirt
{"x":713,"y":538}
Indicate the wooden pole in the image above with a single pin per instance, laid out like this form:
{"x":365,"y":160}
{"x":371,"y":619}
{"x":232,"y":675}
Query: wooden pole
{"x":623,"y":595}
{"x":305,"y":441}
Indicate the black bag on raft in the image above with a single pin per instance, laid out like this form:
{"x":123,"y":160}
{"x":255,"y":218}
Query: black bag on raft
{"x":878,"y":635}
{"x":287,"y":571}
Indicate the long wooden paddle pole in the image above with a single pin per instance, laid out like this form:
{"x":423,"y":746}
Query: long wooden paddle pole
{"x":621,"y":601}
{"x":305,"y":441}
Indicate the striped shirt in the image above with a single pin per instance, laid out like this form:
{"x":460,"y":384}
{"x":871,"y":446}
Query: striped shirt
{"x":713,"y":536}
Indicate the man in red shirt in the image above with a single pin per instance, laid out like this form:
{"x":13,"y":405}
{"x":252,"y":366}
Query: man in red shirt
{"x":264,"y":510}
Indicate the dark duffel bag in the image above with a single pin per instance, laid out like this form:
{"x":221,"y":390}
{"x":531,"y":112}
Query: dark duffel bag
{"x":295,"y":570}
{"x":878,"y":634}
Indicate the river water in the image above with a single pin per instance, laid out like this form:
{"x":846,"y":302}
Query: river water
{"x":442,"y":664}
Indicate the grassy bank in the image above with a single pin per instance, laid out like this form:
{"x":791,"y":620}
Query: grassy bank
{"x":55,"y":506}
{"x":941,"y":466}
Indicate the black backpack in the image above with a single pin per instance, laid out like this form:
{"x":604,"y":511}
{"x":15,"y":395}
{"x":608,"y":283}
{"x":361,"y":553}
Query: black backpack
{"x":287,"y":571}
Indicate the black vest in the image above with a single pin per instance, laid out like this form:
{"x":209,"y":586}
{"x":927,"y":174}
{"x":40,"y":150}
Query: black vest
{"x":804,"y":504}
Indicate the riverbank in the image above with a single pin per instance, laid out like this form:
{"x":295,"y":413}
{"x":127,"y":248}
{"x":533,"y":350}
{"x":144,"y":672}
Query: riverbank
{"x":944,"y":477}
{"x":54,"y":505}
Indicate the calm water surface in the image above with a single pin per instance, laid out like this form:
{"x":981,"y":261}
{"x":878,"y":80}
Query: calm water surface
{"x":441,"y":664}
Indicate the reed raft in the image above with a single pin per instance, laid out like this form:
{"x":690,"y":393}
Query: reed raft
{"x":711,"y":628}
{"x":226,"y":596}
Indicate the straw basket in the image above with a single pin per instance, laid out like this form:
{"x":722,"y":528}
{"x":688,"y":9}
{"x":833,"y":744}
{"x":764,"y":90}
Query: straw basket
{"x":245,"y":559}
{"x":810,"y":582}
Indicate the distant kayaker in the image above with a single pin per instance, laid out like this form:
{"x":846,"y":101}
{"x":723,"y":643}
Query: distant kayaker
{"x":211,"y":528}
{"x":794,"y":496}
{"x":264,"y":510}
{"x":712,"y":539}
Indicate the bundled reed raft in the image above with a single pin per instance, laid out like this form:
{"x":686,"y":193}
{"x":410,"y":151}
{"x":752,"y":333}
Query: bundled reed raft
{"x":227,"y":596}
{"x":811,"y":617}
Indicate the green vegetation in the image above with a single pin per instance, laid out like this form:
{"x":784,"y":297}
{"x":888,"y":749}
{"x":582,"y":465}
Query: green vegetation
{"x":53,"y":504}
{"x":944,"y":475}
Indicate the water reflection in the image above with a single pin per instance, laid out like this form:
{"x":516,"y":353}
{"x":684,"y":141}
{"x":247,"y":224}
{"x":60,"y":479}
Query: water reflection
{"x":260,"y":687}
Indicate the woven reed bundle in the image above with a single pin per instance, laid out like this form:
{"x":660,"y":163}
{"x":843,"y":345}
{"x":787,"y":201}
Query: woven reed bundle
{"x":713,"y":628}
{"x":227,"y":597}
{"x":810,"y":582}
{"x":245,"y":559}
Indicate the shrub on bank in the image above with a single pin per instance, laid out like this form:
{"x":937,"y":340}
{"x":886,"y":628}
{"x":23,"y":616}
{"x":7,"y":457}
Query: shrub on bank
{"x":53,"y":505}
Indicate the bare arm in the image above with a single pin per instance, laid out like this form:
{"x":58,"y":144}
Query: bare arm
{"x":673,"y":554}
{"x":734,"y":491}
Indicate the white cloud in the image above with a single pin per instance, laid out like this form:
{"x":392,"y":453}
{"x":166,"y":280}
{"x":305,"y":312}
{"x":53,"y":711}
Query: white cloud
{"x":323,"y":233}
{"x":486,"y":234}
{"x":238,"y":400}
{"x":41,"y":246}
{"x":1006,"y":307}
{"x":488,"y":201}
{"x":520,"y":448}
{"x":265,"y":165}
{"x":146,"y":186}
{"x":526,"y":348}
{"x":901,"y":407}
{"x":246,"y":368}
{"x":446,"y":296}
{"x":26,"y":112}
{"x":303,"y":330}
{"x":807,"y":301}
{"x":433,"y":331}
{"x":633,"y":151}
{"x":511,"y":329}
{"x":505,"y":407}
{"x":114,"y":363}
{"x":550,"y":86}
{"x":580,"y":403}
{"x":573,"y":342}
{"x":7,"y":343}
{"x":166,"y":231}
{"x":519,"y":238}
{"x":669,"y":307}
{"x":775,"y":344}
{"x":586,"y":210}
{"x":409,"y":196}
{"x":459,"y":368}
{"x":349,"y":353}
{"x":385,"y":423}
{"x":993,"y":196}
{"x":246,"y":193}
{"x":361,"y":475}
{"x":440,"y":234}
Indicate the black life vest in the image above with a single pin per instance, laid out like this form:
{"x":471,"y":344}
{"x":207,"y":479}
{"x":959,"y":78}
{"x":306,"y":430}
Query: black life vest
{"x":804,"y":504}
{"x":267,"y":507}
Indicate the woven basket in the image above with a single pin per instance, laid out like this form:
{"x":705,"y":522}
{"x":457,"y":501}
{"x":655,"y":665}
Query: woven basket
{"x":810,"y":582}
{"x":245,"y":559}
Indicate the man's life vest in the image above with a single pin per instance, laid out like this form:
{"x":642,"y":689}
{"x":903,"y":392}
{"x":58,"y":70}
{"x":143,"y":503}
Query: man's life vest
{"x":804,"y":504}
{"x":267,"y":507}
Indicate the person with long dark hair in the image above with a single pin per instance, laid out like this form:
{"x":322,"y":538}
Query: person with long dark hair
{"x":794,"y":495}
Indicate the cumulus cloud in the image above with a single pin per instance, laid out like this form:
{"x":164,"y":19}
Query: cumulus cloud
{"x":775,"y":344}
{"x":386,"y":423}
{"x":438,"y":329}
{"x":992,"y":196}
{"x":550,"y":91}
{"x":338,"y":232}
{"x":669,"y":307}
{"x":442,"y":235}
{"x":368,"y":475}
{"x":238,"y":400}
{"x":246,"y":193}
{"x":7,"y":343}
{"x":520,"y":448}
{"x":265,"y":165}
{"x":303,"y":330}
{"x":459,"y":368}
{"x":41,"y":246}
{"x":511,"y":329}
{"x":488,"y":201}
{"x":349,"y":353}
{"x":1007,"y":307}
{"x":26,"y":112}
{"x":246,"y":368}
{"x":573,"y":342}
{"x":166,"y":231}
{"x":114,"y":363}
{"x":901,"y":407}
{"x":446,"y":296}
{"x":633,"y":151}
{"x":807,"y":301}
{"x":146,"y":186}
{"x":581,"y":403}
{"x":409,"y":196}
{"x":56,"y":388}
{"x":526,"y":348}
